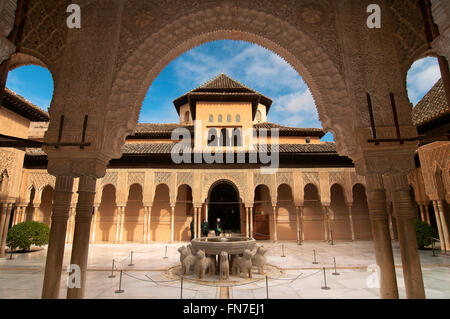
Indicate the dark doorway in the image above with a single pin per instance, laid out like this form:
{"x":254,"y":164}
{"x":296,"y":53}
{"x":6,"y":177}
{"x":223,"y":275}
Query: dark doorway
{"x":224,"y":204}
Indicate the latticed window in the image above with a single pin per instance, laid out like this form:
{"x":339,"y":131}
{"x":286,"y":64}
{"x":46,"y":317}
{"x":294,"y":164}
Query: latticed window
{"x":219,"y":118}
{"x":237,"y":137}
{"x":228,"y":118}
{"x":211,"y":118}
{"x":186,"y":117}
{"x":212,"y":137}
{"x":224,"y":137}
{"x":238,"y":118}
{"x":308,"y":140}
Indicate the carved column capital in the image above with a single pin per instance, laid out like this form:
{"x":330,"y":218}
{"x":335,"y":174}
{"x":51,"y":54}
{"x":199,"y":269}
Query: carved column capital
{"x":76,"y":163}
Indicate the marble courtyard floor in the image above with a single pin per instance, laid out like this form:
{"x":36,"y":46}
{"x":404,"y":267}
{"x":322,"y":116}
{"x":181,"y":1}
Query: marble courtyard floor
{"x":153,"y":276}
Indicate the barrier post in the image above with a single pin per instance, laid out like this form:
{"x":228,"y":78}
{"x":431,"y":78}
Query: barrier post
{"x":112,"y":271}
{"x":165,"y":253}
{"x":131,"y":260}
{"x":282,"y":250}
{"x":325,"y":287}
{"x":119,"y":291}
{"x":335,"y":270}
{"x":299,"y":239}
{"x":10,"y":256}
{"x":181,"y":292}
{"x":267,"y":287}
{"x":432,"y":247}
{"x":315,"y":262}
{"x":331,"y":236}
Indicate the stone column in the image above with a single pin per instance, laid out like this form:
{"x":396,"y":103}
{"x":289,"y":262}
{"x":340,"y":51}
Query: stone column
{"x":70,"y":223}
{"x":251,"y":221}
{"x":422,"y":214}
{"x":404,"y":216}
{"x":149,"y":223}
{"x":122,"y":220}
{"x":81,"y":236}
{"x":199,"y":222}
{"x":34,"y":211}
{"x":117,"y":217}
{"x":195,"y":222}
{"x":440,"y":227}
{"x":172,"y":222}
{"x":326,"y":223}
{"x":297,"y":220}
{"x":391,"y":224}
{"x":55,"y":252}
{"x":350,"y":217}
{"x":445,"y":232}
{"x":376,"y":198}
{"x":94,"y":222}
{"x":274,"y":213}
{"x":247,"y":222}
{"x":427,"y":215}
{"x":6,"y":215}
{"x":145,"y":230}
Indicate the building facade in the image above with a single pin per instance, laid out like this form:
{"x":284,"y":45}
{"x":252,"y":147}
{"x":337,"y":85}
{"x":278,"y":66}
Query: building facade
{"x":145,"y":196}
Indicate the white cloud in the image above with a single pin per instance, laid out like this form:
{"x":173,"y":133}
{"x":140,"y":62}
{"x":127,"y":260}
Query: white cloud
{"x":422,"y":76}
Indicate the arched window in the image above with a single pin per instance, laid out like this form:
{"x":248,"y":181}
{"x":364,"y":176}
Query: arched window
{"x":219,"y":119}
{"x":308,"y":140}
{"x":212,"y":137}
{"x":238,"y":118}
{"x":224,"y":138}
{"x":186,"y":117}
{"x":258,"y":116}
{"x":211,"y":118}
{"x":237,"y":137}
{"x":228,"y":118}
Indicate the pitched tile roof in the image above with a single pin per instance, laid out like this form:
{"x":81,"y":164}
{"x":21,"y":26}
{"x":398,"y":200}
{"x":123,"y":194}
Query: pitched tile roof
{"x":222,"y":85}
{"x":433,"y":105}
{"x":23,"y":107}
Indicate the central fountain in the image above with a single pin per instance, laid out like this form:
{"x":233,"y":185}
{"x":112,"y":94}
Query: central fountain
{"x":215,"y":245}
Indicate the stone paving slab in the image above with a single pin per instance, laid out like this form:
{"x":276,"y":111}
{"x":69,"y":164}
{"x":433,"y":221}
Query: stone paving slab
{"x":22,"y":277}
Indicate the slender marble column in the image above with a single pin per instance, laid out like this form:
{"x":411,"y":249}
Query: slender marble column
{"x":247,"y":222}
{"x":422,"y":213}
{"x":122,"y":221}
{"x":376,"y":198}
{"x":144,"y":232}
{"x":5,"y":218}
{"x":195,"y":221}
{"x":297,"y":221}
{"x":118,"y":217}
{"x":427,"y":215}
{"x":81,"y":236}
{"x":350,"y":217}
{"x":439,"y":225}
{"x":404,"y":217}
{"x":149,"y":224}
{"x":172,"y":222}
{"x":55,"y":253}
{"x":444,"y":225}
{"x":199,"y":222}
{"x":251,"y":221}
{"x":326,"y":223}
{"x":94,"y":224}
{"x":274,"y":213}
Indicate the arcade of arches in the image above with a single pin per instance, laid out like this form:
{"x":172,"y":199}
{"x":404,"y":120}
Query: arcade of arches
{"x":102,"y":71}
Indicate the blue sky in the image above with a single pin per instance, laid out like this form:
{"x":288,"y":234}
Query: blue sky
{"x":248,"y":63}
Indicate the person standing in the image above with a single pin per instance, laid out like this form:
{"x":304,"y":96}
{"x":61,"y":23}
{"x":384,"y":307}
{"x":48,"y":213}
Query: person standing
{"x":205,"y":228}
{"x":218,"y":229}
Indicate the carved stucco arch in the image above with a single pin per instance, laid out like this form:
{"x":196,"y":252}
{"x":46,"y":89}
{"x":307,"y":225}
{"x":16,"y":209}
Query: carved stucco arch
{"x":347,"y":194}
{"x":207,"y":188}
{"x":301,"y":51}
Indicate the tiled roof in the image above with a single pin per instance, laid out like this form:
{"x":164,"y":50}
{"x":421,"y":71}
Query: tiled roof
{"x":165,"y":130}
{"x":433,"y":105}
{"x":23,"y":107}
{"x":290,"y":131}
{"x":222,"y":86}
{"x":166,"y":148}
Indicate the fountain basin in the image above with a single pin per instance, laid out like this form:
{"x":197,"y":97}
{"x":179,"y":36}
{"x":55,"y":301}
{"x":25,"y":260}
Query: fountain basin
{"x":215,"y":245}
